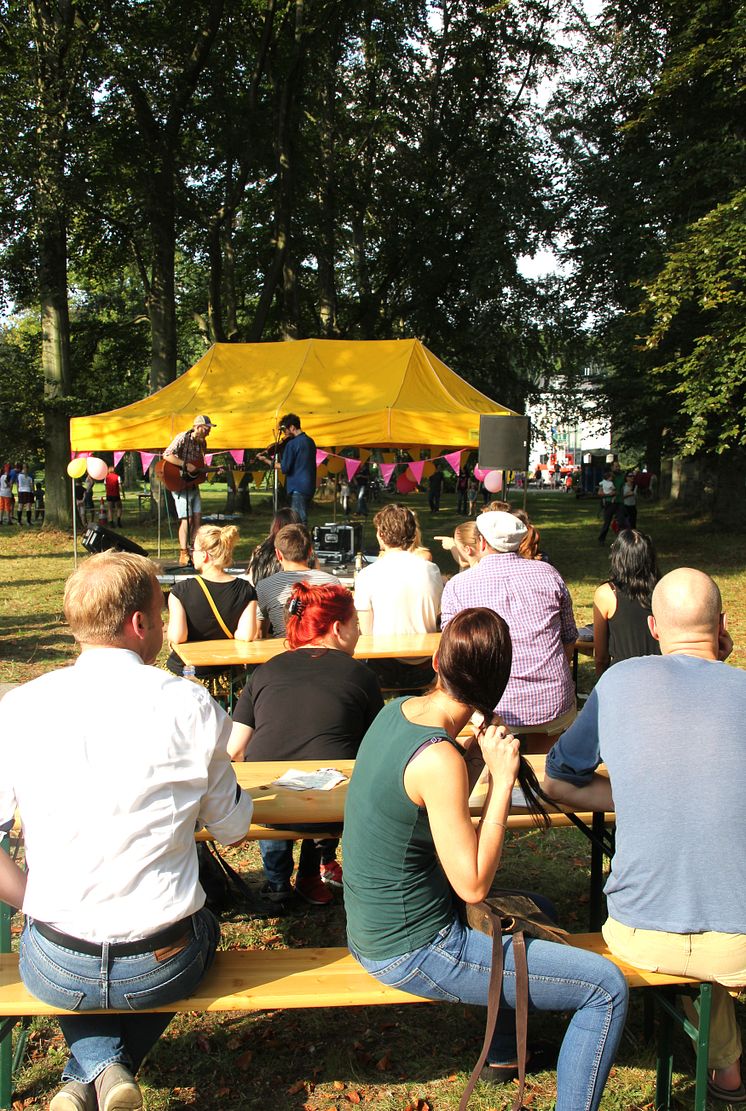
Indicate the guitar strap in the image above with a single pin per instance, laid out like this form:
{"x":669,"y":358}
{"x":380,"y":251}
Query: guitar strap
{"x":214,"y":608}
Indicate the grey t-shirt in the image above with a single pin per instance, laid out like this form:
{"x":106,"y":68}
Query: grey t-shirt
{"x":671,"y":731}
{"x":273,"y":592}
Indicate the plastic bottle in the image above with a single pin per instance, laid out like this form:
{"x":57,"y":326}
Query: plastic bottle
{"x":189,"y":671}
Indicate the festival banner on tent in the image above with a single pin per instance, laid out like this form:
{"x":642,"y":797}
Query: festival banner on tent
{"x":453,"y":459}
{"x":118,"y":456}
{"x":415,"y":470}
{"x":258,"y":477}
{"x":387,"y":469}
{"x":146,"y":458}
{"x":320,"y":456}
{"x":238,"y":454}
{"x":352,"y":466}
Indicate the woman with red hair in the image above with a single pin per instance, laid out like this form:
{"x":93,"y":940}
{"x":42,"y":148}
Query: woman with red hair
{"x":312,"y":702}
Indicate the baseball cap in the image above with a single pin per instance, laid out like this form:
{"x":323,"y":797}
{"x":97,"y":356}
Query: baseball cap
{"x":203,"y":420}
{"x":502,"y":531}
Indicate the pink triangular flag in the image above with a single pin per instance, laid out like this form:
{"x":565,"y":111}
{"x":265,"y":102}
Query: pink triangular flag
{"x":320,"y":456}
{"x":146,"y":458}
{"x":208,"y":459}
{"x":352,"y":466}
{"x":238,"y":454}
{"x":387,"y":469}
{"x":416,"y":469}
{"x":118,"y":457}
{"x":453,"y":459}
{"x":479,"y":473}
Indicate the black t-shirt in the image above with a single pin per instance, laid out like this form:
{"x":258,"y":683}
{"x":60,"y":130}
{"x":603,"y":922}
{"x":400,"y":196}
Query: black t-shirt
{"x":231,"y":599}
{"x":313,"y":703}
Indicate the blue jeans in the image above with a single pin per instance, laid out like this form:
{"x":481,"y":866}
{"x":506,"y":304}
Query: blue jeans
{"x":277,"y":856}
{"x":455,"y":967}
{"x":300,"y":503}
{"x":80,"y":982}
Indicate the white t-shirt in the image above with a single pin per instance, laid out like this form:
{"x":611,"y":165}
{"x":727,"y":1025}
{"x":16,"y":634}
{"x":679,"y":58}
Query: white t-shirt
{"x":25,"y":483}
{"x":109,"y":805}
{"x":403,"y":590}
{"x":607,"y":488}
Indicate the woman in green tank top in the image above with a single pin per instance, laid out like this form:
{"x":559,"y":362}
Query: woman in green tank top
{"x":409,"y":844}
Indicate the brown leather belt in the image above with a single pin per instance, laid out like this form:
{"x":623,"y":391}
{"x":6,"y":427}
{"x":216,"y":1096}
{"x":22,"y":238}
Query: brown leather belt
{"x":160,"y":940}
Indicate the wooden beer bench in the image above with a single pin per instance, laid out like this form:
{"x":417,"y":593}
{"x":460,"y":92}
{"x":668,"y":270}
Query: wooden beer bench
{"x":278,"y":979}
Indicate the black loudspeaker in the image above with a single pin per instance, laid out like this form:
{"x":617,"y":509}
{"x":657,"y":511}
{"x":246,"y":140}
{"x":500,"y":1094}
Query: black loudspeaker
{"x":337,"y":540}
{"x":504,"y":443}
{"x":100,"y":539}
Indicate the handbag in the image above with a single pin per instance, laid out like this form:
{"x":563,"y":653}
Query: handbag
{"x":508,"y":912}
{"x":214,"y":608}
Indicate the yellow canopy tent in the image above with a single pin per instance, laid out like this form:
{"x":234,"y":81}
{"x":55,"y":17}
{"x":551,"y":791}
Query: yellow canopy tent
{"x":347,"y":393}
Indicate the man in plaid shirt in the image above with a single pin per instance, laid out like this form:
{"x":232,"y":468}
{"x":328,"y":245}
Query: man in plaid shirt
{"x":531,"y":596}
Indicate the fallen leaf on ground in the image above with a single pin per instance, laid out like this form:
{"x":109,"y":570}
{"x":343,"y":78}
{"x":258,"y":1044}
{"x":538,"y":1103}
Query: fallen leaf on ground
{"x":383,"y":1064}
{"x":299,"y":1086}
{"x":244,"y":1060}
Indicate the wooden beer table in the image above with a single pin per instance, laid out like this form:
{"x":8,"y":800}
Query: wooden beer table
{"x":249,"y":653}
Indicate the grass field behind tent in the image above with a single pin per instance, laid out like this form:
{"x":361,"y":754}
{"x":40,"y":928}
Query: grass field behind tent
{"x":393,"y":1058}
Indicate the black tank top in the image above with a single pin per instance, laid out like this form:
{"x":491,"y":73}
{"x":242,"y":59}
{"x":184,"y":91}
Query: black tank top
{"x":629,"y":634}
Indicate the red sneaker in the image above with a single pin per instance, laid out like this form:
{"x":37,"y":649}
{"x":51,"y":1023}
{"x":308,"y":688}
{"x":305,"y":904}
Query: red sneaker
{"x":331,"y":873}
{"x":313,"y":890}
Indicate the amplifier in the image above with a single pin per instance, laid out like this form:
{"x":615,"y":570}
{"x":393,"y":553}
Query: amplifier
{"x":337,"y":540}
{"x":97,"y":538}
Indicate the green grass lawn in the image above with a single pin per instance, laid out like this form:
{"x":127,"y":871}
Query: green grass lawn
{"x":391,"y":1057}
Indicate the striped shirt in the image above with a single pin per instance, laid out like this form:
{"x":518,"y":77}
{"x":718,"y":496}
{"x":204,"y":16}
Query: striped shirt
{"x":532,"y":599}
{"x":273,"y":593}
{"x":187,"y":448}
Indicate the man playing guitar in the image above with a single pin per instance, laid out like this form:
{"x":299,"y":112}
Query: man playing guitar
{"x":187,"y":451}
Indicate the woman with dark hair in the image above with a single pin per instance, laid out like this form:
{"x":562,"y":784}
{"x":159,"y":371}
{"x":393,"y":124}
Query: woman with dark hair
{"x":411,"y":852}
{"x":621,"y":606}
{"x":263,"y":561}
{"x":312,"y":702}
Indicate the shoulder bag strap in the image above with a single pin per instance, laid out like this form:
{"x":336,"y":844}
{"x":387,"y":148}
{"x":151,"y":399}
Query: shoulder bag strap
{"x":214,"y":608}
{"x":493,"y":1006}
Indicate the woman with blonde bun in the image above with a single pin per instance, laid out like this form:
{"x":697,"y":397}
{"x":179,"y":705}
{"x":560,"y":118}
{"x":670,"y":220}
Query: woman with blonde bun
{"x":211,"y":605}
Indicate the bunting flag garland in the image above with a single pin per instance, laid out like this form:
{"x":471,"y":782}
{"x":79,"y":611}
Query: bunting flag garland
{"x":118,"y":456}
{"x":258,"y":477}
{"x":453,"y":459}
{"x":428,"y":469}
{"x":146,"y":458}
{"x":352,"y":466}
{"x":387,"y":469}
{"x":237,"y":476}
{"x":208,"y":459}
{"x":211,"y":476}
{"x":335,"y":464}
{"x":320,"y":456}
{"x":238,"y":454}
{"x":365,"y":454}
{"x":414,"y":471}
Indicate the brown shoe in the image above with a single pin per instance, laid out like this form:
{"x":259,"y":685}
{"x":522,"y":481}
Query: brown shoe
{"x":117,"y":1090}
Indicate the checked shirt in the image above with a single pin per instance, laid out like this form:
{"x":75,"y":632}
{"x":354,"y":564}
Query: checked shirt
{"x":533,"y":600}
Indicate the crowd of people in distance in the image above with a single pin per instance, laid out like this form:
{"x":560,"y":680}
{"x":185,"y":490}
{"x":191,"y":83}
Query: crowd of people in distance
{"x":124,"y":922}
{"x":20,"y":496}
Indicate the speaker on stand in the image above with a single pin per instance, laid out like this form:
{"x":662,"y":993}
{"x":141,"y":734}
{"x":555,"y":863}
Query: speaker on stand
{"x":504,"y":444}
{"x":98,"y":538}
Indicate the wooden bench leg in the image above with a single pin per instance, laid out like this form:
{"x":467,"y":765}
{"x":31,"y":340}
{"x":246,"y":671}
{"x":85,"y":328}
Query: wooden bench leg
{"x":6,"y":1031}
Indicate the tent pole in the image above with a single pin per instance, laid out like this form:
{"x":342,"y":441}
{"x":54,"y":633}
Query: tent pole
{"x":160,"y":491}
{"x":75,"y":526}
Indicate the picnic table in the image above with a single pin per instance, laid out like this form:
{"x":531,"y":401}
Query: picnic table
{"x":245,"y":653}
{"x":284,"y":808}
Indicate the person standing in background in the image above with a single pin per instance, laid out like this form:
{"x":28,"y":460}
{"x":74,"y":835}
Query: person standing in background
{"x":298,"y":464}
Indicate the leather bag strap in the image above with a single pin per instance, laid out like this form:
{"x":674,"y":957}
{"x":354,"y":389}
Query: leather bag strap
{"x":493,"y":1006}
{"x":214,"y":608}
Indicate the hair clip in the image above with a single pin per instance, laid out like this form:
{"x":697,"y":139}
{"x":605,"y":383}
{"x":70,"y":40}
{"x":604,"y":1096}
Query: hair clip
{"x":295,"y":606}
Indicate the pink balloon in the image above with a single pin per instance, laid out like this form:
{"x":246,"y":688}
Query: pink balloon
{"x":493,"y":481}
{"x":480,"y":474}
{"x":405,"y":485}
{"x":97,"y":469}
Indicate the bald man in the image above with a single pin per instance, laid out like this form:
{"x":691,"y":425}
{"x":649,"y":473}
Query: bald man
{"x":670,"y":730}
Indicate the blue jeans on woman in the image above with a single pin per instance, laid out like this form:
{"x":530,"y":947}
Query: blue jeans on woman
{"x":455,"y":967}
{"x":78,"y":982}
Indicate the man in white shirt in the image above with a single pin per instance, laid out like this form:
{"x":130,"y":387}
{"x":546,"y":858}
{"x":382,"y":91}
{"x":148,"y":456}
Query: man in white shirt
{"x":115,"y":912}
{"x":399,"y":593}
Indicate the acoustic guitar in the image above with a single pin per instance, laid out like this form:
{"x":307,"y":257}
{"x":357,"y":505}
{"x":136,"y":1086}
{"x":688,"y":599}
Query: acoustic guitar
{"x":172,"y":476}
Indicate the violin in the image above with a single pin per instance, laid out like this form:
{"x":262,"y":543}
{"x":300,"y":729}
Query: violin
{"x":274,"y":450}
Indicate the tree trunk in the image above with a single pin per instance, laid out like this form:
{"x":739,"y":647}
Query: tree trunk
{"x":215,"y":281}
{"x":229,"y":270}
{"x":160,"y":300}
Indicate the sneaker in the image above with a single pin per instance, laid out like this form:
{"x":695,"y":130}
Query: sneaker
{"x":117,"y":1090}
{"x":74,"y":1097}
{"x":331,"y":873}
{"x":313,"y":890}
{"x":277,"y":896}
